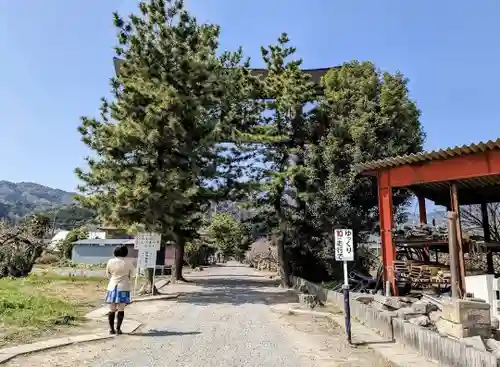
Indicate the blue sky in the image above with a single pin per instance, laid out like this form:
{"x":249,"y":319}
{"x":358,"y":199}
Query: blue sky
{"x":57,"y":59}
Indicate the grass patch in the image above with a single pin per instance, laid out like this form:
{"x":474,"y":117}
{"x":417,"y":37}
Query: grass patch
{"x":40,"y":303}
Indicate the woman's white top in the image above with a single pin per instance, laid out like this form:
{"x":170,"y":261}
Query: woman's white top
{"x":119,"y":271}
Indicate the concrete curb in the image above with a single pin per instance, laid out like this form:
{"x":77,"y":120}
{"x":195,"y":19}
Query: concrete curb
{"x":298,"y":311}
{"x":159,"y":297}
{"x":395,"y":353}
{"x":7,"y":354}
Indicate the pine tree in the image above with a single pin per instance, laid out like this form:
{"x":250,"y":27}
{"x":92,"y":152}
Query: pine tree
{"x":156,"y":147}
{"x":278,"y":142}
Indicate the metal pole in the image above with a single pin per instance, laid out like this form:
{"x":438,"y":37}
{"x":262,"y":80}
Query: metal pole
{"x":136,"y":276}
{"x":153,"y":282}
{"x":347,"y":306}
{"x":452,"y":246}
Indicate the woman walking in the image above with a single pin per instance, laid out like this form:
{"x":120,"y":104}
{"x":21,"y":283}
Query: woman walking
{"x":119,"y":272}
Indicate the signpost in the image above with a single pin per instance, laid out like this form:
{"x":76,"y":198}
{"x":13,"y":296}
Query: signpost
{"x":148,"y":244}
{"x":344,"y":251}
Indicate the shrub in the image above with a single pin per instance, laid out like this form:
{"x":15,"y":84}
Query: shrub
{"x":46,"y":259}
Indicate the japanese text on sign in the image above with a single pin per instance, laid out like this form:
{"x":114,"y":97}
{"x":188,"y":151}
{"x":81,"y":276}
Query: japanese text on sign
{"x":344,"y":248}
{"x":148,"y":241}
{"x":147,"y":259}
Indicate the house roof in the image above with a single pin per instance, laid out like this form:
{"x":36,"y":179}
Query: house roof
{"x":60,"y":236}
{"x":106,"y":242}
{"x":316,"y":74}
{"x":434,"y":155}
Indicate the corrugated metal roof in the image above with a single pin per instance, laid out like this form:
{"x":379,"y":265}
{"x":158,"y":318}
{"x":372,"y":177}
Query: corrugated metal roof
{"x":471,"y":191}
{"x":106,"y":242}
{"x":428,"y":156}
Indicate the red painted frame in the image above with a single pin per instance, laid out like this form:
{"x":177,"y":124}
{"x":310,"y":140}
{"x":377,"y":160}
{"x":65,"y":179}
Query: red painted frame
{"x":451,"y":169}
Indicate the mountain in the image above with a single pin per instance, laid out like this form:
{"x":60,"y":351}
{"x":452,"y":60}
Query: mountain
{"x":438,"y":215}
{"x":18,"y":199}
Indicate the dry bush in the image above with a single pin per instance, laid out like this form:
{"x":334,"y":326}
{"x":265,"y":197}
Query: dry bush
{"x":21,"y":246}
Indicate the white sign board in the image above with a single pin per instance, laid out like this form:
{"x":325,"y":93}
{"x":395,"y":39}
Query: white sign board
{"x":148,"y":241}
{"x":146,"y":259}
{"x":344,"y":248}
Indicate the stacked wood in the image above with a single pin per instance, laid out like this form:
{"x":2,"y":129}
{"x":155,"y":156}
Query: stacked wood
{"x":442,"y":277}
{"x":421,"y":275}
{"x":408,"y":233}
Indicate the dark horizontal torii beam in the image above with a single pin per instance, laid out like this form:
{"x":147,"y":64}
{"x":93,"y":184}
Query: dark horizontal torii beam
{"x":316,"y":74}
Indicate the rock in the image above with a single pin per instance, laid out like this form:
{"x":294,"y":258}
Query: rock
{"x":392,"y":302}
{"x":495,"y":323}
{"x":496,"y":334}
{"x":472,"y":299}
{"x":459,"y":331}
{"x":303,"y":289}
{"x":381,"y":307}
{"x":475,"y":342}
{"x":409,"y":299}
{"x":421,"y":320}
{"x":423,"y":307}
{"x":364,"y":298}
{"x":309,"y":300}
{"x":407,"y":313}
{"x":493,"y":346}
{"x":435,"y":316}
{"x":468,"y":313}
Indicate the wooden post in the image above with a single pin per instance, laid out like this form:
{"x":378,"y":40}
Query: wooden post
{"x":456,"y":208}
{"x":423,"y":220}
{"x":386,"y":226}
{"x":487,"y":238}
{"x":421,"y":209}
{"x":458,"y":230}
{"x":452,"y":246}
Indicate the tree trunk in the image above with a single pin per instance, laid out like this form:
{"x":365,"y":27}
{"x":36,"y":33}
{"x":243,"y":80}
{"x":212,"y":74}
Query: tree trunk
{"x":146,"y":288}
{"x":283,"y":265}
{"x":178,"y":262}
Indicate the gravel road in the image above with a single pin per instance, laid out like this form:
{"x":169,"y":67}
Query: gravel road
{"x":221,"y":319}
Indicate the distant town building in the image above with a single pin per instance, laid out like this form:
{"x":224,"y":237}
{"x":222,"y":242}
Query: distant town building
{"x":99,"y":246}
{"x":56,"y":241}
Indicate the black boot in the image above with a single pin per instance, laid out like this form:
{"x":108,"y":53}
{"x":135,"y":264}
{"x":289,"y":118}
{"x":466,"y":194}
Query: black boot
{"x":121,"y":315}
{"x":111,"y":319}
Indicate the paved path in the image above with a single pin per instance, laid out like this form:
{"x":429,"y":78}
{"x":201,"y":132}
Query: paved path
{"x":222,"y":319}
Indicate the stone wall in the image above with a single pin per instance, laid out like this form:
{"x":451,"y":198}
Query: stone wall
{"x":447,"y":351}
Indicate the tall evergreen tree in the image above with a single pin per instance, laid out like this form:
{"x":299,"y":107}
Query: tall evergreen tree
{"x":363,"y":115}
{"x":156,"y":147}
{"x":278,"y":143}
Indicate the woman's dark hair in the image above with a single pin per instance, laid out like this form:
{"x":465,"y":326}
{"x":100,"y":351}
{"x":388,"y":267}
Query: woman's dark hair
{"x":121,"y":251}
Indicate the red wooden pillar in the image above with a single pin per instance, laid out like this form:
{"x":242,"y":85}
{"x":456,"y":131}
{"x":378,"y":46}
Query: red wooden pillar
{"x":386,"y":225}
{"x":421,"y":209}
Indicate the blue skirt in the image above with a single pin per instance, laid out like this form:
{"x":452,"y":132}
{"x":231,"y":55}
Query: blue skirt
{"x":116,"y":296}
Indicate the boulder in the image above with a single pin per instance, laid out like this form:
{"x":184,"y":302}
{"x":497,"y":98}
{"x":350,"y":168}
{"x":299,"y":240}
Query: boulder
{"x":392,"y":302}
{"x":435,"y":316}
{"x":423,"y":307}
{"x":421,"y":320}
{"x":493,"y":346}
{"x":459,"y":331}
{"x":309,"y":300}
{"x":364,"y":298}
{"x":407,"y":313}
{"x":495,"y":323}
{"x":475,"y":342}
